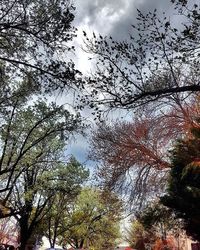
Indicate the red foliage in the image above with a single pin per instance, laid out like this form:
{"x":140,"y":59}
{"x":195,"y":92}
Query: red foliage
{"x":166,"y":244}
{"x":140,"y":147}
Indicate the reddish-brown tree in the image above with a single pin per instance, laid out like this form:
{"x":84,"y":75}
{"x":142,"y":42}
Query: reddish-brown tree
{"x":134,"y":155}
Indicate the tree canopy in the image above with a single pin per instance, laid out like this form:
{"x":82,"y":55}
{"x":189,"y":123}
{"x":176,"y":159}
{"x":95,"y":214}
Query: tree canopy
{"x":33,"y":162}
{"x":183,"y":194}
{"x":158,"y":64}
{"x":133,"y":156}
{"x":93,"y":221}
{"x":26,"y":134}
{"x":34,"y":43}
{"x":69,"y":180}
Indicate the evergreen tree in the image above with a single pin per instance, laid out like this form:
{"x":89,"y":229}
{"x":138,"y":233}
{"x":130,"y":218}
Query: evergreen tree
{"x":183,"y":194}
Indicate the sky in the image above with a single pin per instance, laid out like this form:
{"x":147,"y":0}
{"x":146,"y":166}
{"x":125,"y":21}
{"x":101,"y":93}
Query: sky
{"x":113,"y":17}
{"x":109,"y":17}
{"x":106,"y":17}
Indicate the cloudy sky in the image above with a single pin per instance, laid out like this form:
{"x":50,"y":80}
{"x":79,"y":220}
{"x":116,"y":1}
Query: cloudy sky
{"x":110,"y":17}
{"x":113,"y":17}
{"x":107,"y":17}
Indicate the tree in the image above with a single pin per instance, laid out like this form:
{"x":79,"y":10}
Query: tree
{"x":33,"y":40}
{"x":160,"y":220}
{"x":36,"y":193}
{"x":155,"y":227}
{"x":159,"y":60}
{"x":93,"y":221}
{"x":183,"y":193}
{"x":139,"y":237}
{"x":33,"y":139}
{"x":60,"y":204}
{"x":133,"y":156}
{"x":25,"y":135}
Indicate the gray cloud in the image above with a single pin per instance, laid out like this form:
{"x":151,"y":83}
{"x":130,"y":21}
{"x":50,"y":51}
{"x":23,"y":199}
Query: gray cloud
{"x":114,"y":17}
{"x":123,"y":26}
{"x":92,"y":9}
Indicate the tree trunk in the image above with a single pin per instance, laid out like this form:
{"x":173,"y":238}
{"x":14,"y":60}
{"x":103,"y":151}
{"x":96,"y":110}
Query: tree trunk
{"x":24,"y":233}
{"x":53,"y":242}
{"x":23,"y":241}
{"x":81,"y":244}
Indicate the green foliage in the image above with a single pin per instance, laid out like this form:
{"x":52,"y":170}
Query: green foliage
{"x":43,"y":195}
{"x":65,"y":182}
{"x":139,"y":237}
{"x":67,"y":178}
{"x":31,"y":135}
{"x":33,"y":165}
{"x":183,"y":194}
{"x":93,"y":221}
{"x":33,"y":132}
